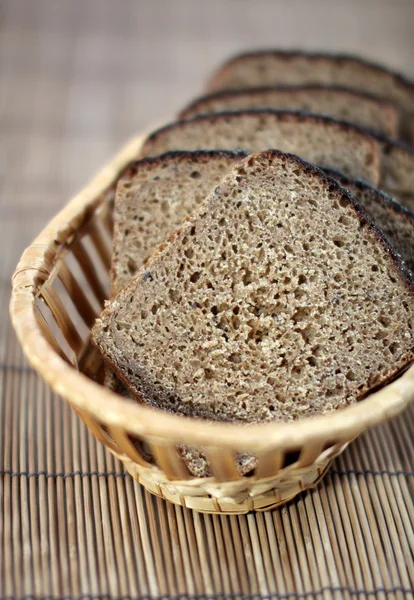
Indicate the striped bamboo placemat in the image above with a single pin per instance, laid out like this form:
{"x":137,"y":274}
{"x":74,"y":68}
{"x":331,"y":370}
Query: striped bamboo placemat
{"x":76,"y":79}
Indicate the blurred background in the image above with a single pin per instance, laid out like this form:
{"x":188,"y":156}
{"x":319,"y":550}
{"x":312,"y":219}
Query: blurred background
{"x":78,"y":77}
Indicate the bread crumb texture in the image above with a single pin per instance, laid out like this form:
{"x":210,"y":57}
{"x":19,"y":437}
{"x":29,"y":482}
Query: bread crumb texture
{"x":277,"y":300}
{"x":153,"y":198}
{"x":395,"y":221}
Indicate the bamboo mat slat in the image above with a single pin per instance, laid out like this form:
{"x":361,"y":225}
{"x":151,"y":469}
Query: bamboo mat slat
{"x":76,"y":80}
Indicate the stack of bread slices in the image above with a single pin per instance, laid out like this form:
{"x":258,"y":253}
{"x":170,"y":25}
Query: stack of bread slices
{"x":263,"y":246}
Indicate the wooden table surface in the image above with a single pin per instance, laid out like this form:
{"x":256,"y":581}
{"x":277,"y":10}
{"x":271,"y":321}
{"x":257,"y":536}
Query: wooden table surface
{"x":77,"y":79}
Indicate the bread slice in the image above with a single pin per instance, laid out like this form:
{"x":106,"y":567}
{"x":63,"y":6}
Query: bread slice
{"x":320,"y":140}
{"x":278,"y":67}
{"x":152,"y":199}
{"x":394,"y":220}
{"x":362,"y":109}
{"x":251,"y":313}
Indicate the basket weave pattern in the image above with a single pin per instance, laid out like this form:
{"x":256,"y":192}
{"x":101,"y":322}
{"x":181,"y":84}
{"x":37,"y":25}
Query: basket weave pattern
{"x":59,"y":288}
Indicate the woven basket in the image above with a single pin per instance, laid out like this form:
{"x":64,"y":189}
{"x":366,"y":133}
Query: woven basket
{"x":59,"y":287}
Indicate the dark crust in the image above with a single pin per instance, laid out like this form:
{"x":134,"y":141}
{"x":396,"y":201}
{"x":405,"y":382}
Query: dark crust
{"x":257,"y":91}
{"x":156,"y":394}
{"x":398,"y":373}
{"x":391,"y":203}
{"x":336,"y":58}
{"x":180,"y":156}
{"x":333,"y":187}
{"x":301,"y":116}
{"x":122,"y":377}
{"x":151,"y":395}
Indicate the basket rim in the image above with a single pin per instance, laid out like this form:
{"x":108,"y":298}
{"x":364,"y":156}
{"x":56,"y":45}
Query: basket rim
{"x":111,"y":409}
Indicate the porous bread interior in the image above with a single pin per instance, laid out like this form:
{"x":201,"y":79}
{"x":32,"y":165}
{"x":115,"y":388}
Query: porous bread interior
{"x":319,"y":140}
{"x":395,"y":223}
{"x":341,"y":104}
{"x":277,"y":301}
{"x":153,"y":199}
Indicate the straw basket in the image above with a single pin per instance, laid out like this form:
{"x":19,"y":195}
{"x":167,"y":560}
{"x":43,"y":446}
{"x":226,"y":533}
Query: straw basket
{"x":59,"y":287}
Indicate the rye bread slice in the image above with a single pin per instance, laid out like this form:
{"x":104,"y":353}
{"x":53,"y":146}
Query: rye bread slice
{"x":341,"y":103}
{"x":394,"y":220}
{"x":317,"y":139}
{"x":252,"y":313}
{"x":153,"y":197}
{"x":279,"y":67}
{"x":324,"y":141}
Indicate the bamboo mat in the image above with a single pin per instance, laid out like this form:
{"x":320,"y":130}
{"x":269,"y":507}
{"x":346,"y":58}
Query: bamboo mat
{"x":76,"y":79}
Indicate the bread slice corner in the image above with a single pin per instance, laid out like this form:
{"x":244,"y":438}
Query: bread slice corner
{"x":153,"y":197}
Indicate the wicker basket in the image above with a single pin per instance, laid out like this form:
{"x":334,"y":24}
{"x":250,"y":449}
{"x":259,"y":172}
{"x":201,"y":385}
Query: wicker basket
{"x":60,"y":286}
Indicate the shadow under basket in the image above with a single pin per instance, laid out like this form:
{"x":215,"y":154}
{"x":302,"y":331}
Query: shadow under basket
{"x":59,"y":288}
